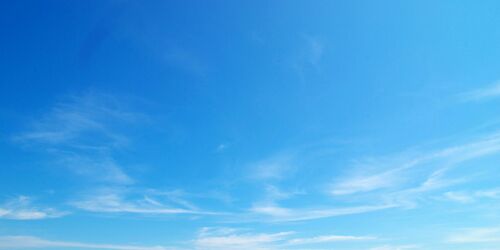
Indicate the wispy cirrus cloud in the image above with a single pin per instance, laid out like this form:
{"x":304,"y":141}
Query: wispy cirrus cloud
{"x":273,"y":168}
{"x":418,"y":173}
{"x":22,"y":208}
{"x":460,"y":197}
{"x":475,"y":235}
{"x":315,"y":48}
{"x":329,"y":239}
{"x":275,"y":213}
{"x":119,"y":200}
{"x":488,"y":92}
{"x":309,"y":55}
{"x":30,"y":242}
{"x":395,"y":247}
{"x":401,"y":181}
{"x":103,"y":168}
{"x":365,"y":183}
{"x":241,"y":239}
{"x":208,"y":238}
{"x":70,"y":121}
{"x":472,"y":196}
{"x":81,"y":133}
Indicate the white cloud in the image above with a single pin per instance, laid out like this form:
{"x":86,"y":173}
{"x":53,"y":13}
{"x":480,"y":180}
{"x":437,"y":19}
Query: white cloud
{"x":488,"y":193}
{"x":274,"y":168}
{"x":475,"y":235}
{"x":82,"y":132}
{"x":30,"y":242}
{"x":268,"y":204}
{"x":274,"y":193}
{"x":409,"y":197}
{"x":402,"y":181}
{"x":96,"y":168}
{"x":216,"y":231}
{"x":276,"y":213}
{"x":228,"y":239}
{"x":272,"y":210}
{"x":70,"y":121}
{"x":241,"y":239}
{"x":308,"y":55}
{"x":364,"y":183}
{"x":393,"y":247}
{"x":315,"y":47}
{"x":21,"y":208}
{"x":460,"y":197}
{"x":487,"y":92}
{"x":328,"y":238}
{"x":121,"y":201}
{"x":403,"y":172}
{"x":472,"y":196}
{"x":375,"y":174}
{"x":207,"y":239}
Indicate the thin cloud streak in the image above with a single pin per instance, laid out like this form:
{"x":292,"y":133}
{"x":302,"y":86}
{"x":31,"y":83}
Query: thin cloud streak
{"x":472,"y":196}
{"x":402,"y":182}
{"x":30,"y":242}
{"x":21,"y":208}
{"x":393,"y":247}
{"x":280,"y":214}
{"x":82,"y":132}
{"x":102,"y":169}
{"x":475,"y":235}
{"x":328,"y":238}
{"x":274,"y":168}
{"x":240,"y":241}
{"x":119,"y":201}
{"x":438,"y":161}
{"x":71,"y":120}
{"x":232,"y":238}
{"x":309,"y":55}
{"x":484,"y":93}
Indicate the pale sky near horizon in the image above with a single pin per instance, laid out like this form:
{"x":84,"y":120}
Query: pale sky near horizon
{"x":250,"y":125}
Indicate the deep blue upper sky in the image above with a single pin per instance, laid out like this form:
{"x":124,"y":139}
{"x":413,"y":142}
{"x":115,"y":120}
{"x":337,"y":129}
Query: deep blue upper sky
{"x":238,"y":125}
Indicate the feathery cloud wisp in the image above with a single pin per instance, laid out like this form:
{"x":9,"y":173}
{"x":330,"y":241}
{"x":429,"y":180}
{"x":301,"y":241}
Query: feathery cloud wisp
{"x":30,"y":242}
{"x":328,"y":238}
{"x":82,"y":132}
{"x":69,"y":122}
{"x":274,"y":168}
{"x":430,"y":165}
{"x":393,"y":247}
{"x":487,"y":92}
{"x":120,"y":201}
{"x":280,"y":214}
{"x":241,"y":241}
{"x":309,"y":55}
{"x":472,"y":196}
{"x":230,"y":238}
{"x":21,"y":208}
{"x":475,"y":235}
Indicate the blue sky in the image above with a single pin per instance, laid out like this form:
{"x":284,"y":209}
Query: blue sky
{"x":263,"y":125}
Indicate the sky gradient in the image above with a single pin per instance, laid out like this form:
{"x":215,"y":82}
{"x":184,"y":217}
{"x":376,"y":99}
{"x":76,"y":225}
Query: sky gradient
{"x":250,"y":125}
